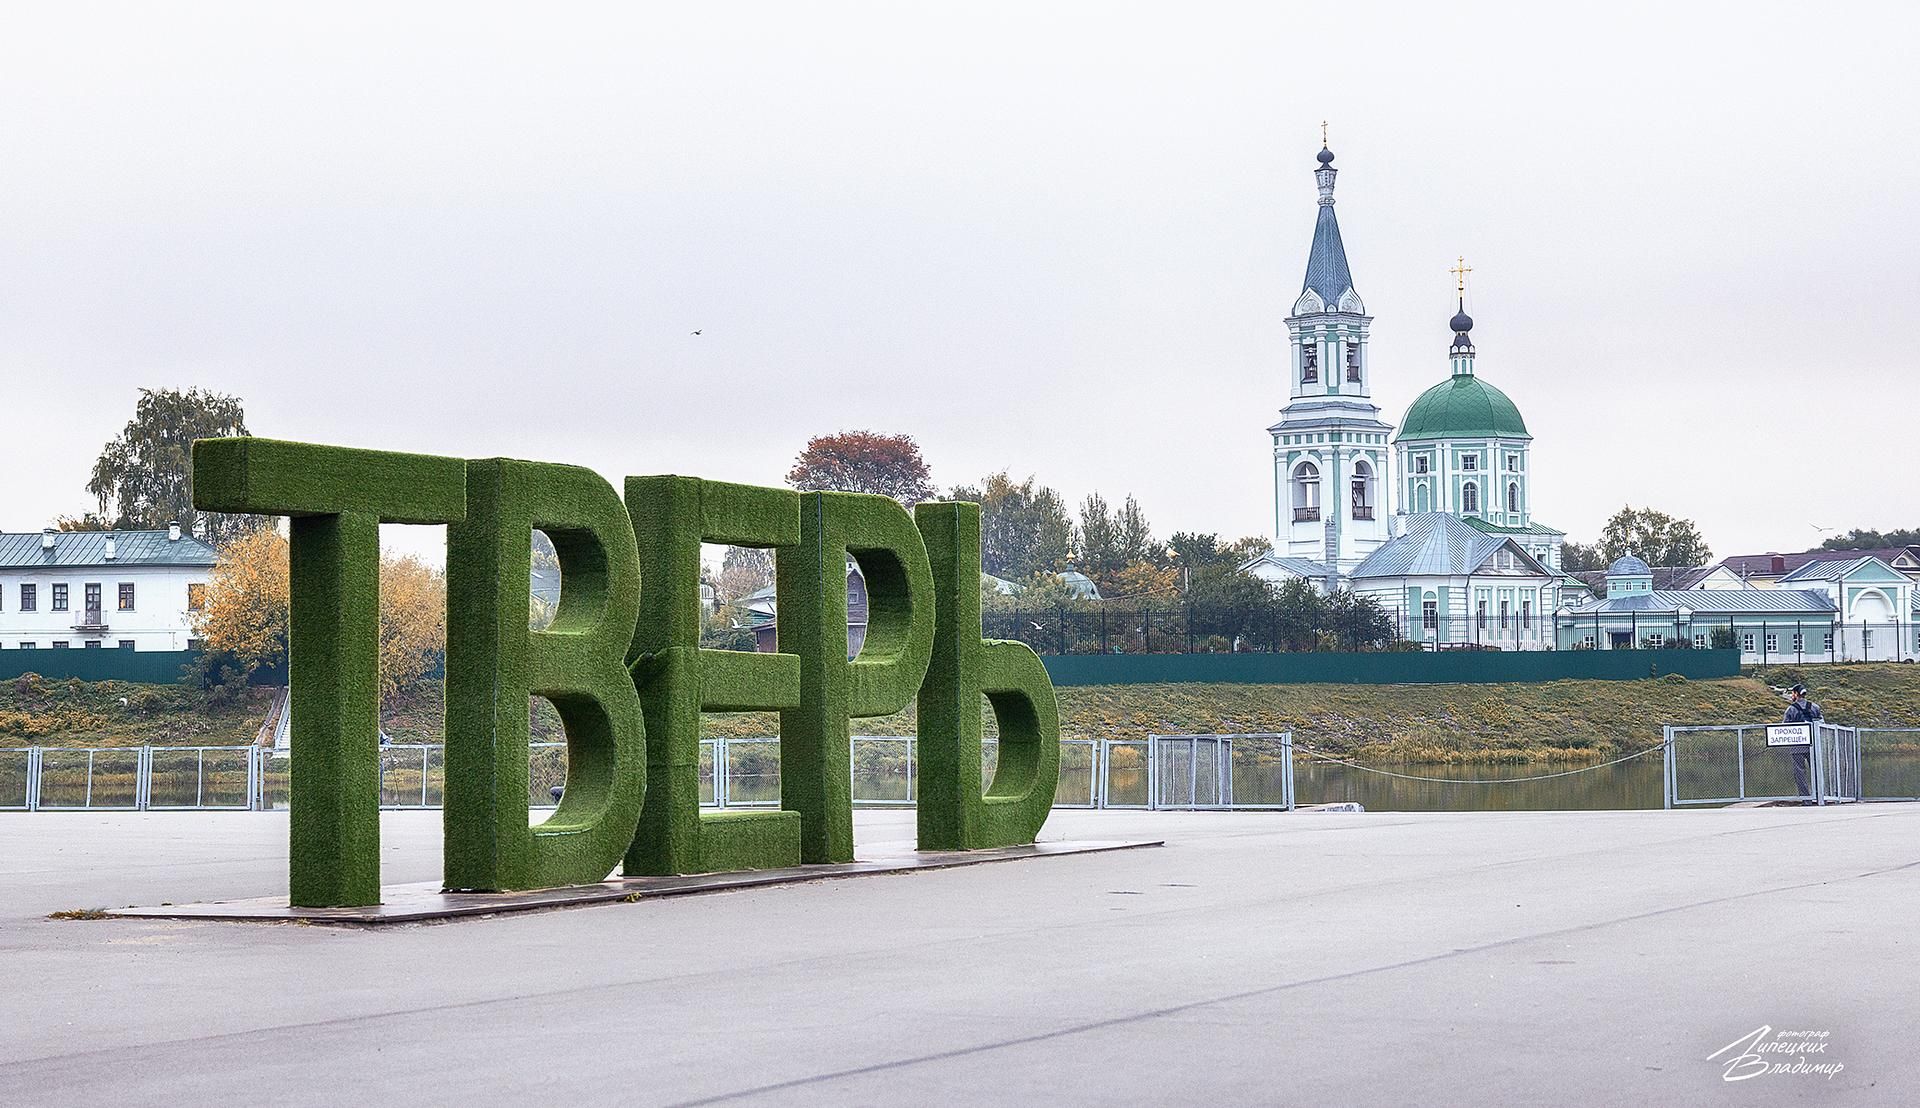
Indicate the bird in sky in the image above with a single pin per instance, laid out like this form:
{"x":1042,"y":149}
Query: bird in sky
{"x":696,"y":332}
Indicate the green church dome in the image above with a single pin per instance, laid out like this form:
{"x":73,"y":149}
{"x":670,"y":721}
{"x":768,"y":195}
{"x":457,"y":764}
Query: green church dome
{"x":1462,"y":407}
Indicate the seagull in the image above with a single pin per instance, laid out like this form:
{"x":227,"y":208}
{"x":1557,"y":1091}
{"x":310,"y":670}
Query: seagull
{"x":1815,"y":526}
{"x":696,"y":332}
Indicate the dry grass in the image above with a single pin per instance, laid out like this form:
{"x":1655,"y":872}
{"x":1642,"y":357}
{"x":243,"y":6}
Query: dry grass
{"x":1570,"y":721}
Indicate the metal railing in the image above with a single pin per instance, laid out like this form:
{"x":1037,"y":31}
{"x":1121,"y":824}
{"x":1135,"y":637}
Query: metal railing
{"x":1736,"y":763}
{"x":1881,"y":778}
{"x":1161,"y":771}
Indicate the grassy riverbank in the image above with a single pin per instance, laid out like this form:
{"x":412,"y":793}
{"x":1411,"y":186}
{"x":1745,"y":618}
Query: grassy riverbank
{"x":1561,"y":721}
{"x":39,"y":711}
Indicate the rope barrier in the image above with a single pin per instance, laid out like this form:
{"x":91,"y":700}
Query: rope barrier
{"x":1312,"y":753}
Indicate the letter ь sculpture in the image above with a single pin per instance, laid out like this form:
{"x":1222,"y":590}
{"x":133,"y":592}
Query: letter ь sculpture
{"x":622,"y":664}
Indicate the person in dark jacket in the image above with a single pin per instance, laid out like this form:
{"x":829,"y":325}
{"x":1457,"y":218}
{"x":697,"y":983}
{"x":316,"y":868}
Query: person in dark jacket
{"x":1802,"y":710}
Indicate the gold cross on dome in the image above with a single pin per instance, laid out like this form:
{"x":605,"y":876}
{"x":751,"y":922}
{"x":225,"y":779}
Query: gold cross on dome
{"x":1323,"y":133}
{"x":1460,"y":270}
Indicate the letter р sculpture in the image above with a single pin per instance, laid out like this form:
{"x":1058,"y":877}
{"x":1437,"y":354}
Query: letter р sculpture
{"x":622,"y":664}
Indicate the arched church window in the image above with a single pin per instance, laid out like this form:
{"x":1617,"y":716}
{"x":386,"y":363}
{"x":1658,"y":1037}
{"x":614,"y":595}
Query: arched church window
{"x":1306,"y":493}
{"x":1362,"y":490}
{"x":1309,"y":362}
{"x":1513,"y":496}
{"x":1353,"y":362}
{"x":1422,"y":499}
{"x":1470,"y":498}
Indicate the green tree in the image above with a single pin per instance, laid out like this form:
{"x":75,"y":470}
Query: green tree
{"x":1581,"y":558}
{"x":861,"y":461}
{"x":1653,"y":536}
{"x":1024,"y":527}
{"x":143,"y":479}
{"x":1099,"y":541}
{"x":1117,"y":543}
{"x":1862,"y":539}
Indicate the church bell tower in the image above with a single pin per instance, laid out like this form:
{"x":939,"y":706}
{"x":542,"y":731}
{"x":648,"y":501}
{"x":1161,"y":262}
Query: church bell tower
{"x":1330,"y":448}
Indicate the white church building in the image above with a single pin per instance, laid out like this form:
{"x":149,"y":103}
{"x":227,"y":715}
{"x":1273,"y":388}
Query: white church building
{"x":1456,"y":557}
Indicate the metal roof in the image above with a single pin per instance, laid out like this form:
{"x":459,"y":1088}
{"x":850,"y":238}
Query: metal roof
{"x":1734,"y":601}
{"x":1629,"y":566}
{"x":72,"y":549}
{"x":1438,"y":544}
{"x":1763,"y":563}
{"x":1463,"y":406}
{"x":1496,"y":529}
{"x":1836,"y":569}
{"x":1327,"y":272}
{"x":1299,"y":567}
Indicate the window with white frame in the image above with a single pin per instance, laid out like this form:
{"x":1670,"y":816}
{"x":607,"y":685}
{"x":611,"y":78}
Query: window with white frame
{"x":1353,"y":362}
{"x":1773,"y":642}
{"x":1469,"y":463}
{"x":1430,"y":614}
{"x":1420,"y":463}
{"x":1526,"y":614}
{"x":1866,"y":638}
{"x":1470,"y":498}
{"x":1746,"y":641}
{"x":1480,"y":610}
{"x":1503,"y":613}
{"x":1700,"y":641}
{"x":1656,"y":640}
{"x":1799,"y":642}
{"x":1309,"y":362}
{"x":1826,"y":642}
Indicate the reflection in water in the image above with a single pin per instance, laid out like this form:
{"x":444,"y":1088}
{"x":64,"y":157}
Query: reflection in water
{"x":1634,"y":784}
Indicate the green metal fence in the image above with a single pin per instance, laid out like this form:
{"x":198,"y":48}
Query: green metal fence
{"x":1409,"y":668}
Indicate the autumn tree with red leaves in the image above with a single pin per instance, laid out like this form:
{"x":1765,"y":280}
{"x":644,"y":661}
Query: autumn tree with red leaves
{"x":861,"y":461}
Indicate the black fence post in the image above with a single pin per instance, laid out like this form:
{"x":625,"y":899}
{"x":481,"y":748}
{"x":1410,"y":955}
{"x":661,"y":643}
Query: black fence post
{"x":1103,"y":629}
{"x":1189,"y":626}
{"x":1063,"y":629}
{"x":1146,"y":631}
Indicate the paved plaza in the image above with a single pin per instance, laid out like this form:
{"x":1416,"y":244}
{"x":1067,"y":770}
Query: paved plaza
{"x":1587,"y":958}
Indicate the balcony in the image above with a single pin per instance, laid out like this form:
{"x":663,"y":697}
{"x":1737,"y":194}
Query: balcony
{"x":1306,"y":515}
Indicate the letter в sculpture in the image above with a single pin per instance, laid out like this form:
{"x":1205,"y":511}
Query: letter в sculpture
{"x":678,"y":680}
{"x":953,"y":815}
{"x":816,"y":773}
{"x":578,"y":663}
{"x":337,"y":498}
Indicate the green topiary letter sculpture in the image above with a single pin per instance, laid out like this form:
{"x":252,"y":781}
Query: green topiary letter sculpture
{"x":678,"y":680}
{"x":816,"y":773}
{"x":494,"y":663}
{"x":953,"y":815}
{"x":337,"y":498}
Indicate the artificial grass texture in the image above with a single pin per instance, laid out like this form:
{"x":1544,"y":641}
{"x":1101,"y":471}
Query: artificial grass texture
{"x":337,"y":498}
{"x":577,"y":663}
{"x":678,"y":681}
{"x":815,"y":752}
{"x":952,"y":812}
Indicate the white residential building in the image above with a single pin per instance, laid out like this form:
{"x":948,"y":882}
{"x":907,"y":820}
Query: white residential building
{"x":131,"y":590}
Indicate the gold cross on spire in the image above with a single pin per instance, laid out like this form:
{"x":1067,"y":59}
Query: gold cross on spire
{"x":1323,"y":133}
{"x":1460,"y":270}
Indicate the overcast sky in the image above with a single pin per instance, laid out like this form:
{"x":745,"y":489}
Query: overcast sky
{"x":1053,"y":240}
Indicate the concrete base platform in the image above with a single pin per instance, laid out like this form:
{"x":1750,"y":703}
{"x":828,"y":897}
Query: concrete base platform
{"x":1381,"y":958}
{"x":424,"y":900}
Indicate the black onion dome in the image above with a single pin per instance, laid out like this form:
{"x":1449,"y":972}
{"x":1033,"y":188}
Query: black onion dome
{"x":1461,"y":321}
{"x":1325,"y":156}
